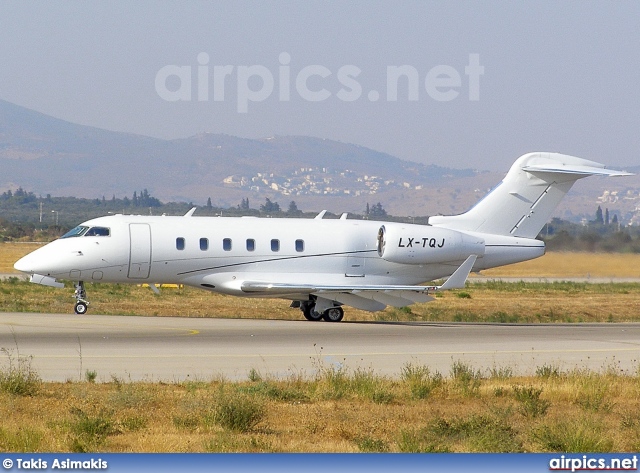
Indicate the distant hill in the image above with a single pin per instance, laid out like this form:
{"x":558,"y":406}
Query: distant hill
{"x":50,"y":156}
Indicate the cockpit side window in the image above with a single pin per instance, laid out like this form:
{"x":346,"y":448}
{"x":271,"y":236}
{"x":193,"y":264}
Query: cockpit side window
{"x":98,"y":231}
{"x":75,"y":232}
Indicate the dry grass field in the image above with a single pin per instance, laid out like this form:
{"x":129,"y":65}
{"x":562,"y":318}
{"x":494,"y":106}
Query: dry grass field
{"x":486,"y":302}
{"x":337,"y":411}
{"x":573,"y":265}
{"x":12,"y":252}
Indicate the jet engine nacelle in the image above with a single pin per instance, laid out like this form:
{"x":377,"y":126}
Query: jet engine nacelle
{"x":423,"y":244}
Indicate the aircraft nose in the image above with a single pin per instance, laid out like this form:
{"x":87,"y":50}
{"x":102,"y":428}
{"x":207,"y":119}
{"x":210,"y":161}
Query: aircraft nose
{"x":23,"y":264}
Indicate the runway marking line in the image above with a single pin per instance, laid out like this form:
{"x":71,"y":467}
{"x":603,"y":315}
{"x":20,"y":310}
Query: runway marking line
{"x":509,"y":352}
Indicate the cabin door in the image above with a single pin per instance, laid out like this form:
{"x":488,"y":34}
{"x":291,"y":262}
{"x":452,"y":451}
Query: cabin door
{"x":140,"y":251}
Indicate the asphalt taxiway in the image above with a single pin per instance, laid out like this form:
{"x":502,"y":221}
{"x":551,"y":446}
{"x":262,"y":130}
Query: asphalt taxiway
{"x":173,"y":349}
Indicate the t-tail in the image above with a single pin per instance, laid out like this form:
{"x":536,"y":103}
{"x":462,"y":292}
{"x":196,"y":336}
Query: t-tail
{"x":524,"y":201}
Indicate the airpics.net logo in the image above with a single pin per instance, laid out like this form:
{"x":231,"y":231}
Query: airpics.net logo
{"x":315,"y":83}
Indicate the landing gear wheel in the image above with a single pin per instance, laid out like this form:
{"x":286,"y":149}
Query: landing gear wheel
{"x":335,"y":314}
{"x":81,"y":308}
{"x":309,"y":312}
{"x":81,"y":299}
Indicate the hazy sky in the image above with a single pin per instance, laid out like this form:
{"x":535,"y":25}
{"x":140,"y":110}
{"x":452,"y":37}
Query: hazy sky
{"x":548,"y":76}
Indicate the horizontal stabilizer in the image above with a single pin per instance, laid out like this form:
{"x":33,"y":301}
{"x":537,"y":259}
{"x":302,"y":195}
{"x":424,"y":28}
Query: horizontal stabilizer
{"x":577,"y":170}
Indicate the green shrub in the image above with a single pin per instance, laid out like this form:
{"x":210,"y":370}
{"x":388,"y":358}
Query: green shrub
{"x":575,"y":436}
{"x":530,"y":403}
{"x":420,"y":380}
{"x":225,"y":442}
{"x":480,"y":433}
{"x":420,"y":441}
{"x":369,"y":444}
{"x":132,"y":396}
{"x":499,"y":391}
{"x":134,"y":423}
{"x":187,"y":421}
{"x":592,"y":391}
{"x":90,"y":431}
{"x":466,"y":378}
{"x":254,"y":375}
{"x":194,"y":412}
{"x":366,"y":384}
{"x":282,"y":392}
{"x":548,"y":371}
{"x":90,"y":376}
{"x":333,"y":382}
{"x":238,"y":412}
{"x":476,"y":433}
{"x":19,"y":377}
{"x":382,"y":396}
{"x":25,"y":439}
{"x":501,"y":372}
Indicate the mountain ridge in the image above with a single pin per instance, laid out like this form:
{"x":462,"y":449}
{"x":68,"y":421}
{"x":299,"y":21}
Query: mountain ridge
{"x":55,"y":156}
{"x":47,"y":155}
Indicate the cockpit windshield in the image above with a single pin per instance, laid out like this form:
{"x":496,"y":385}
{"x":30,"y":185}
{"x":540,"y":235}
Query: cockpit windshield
{"x":82,"y":230}
{"x":98,"y":231}
{"x":75,"y":232}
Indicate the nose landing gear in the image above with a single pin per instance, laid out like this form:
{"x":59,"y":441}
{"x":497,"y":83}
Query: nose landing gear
{"x":81,"y":299}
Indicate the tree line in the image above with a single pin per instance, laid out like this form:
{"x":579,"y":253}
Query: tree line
{"x":25,"y":216}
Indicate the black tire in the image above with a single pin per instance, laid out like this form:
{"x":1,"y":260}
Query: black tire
{"x":334,"y":314}
{"x":81,"y":308}
{"x":310,"y":313}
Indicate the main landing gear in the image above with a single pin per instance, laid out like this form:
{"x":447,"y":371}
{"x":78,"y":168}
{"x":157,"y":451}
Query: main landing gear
{"x":81,"y":299}
{"x":332,"y":314}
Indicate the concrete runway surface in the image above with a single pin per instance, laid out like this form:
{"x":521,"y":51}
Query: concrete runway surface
{"x":175,"y":349}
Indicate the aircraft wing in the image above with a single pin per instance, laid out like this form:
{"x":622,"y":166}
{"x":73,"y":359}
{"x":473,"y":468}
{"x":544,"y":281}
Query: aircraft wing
{"x":366,"y":297}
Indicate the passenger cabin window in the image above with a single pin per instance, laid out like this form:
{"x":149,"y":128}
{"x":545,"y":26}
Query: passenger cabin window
{"x":180,"y":243}
{"x":251,"y":244}
{"x":275,"y":245}
{"x":98,"y":231}
{"x":299,"y":245}
{"x":75,"y":232}
{"x":204,"y":244}
{"x":226,"y":244}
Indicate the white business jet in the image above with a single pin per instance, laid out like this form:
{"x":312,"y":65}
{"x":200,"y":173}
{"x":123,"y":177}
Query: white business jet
{"x":320,"y":265}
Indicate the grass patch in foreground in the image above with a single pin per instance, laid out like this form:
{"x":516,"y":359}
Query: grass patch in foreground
{"x":335,"y":410}
{"x":18,"y":378}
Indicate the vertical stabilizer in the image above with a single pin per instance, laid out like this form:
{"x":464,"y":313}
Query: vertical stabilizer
{"x":524,"y":201}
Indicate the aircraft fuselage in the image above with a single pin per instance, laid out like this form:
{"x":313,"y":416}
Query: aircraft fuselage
{"x":218,"y":253}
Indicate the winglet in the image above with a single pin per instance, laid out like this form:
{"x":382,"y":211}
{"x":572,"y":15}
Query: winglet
{"x":190,"y":212}
{"x":320,"y":215}
{"x":459,"y":277}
